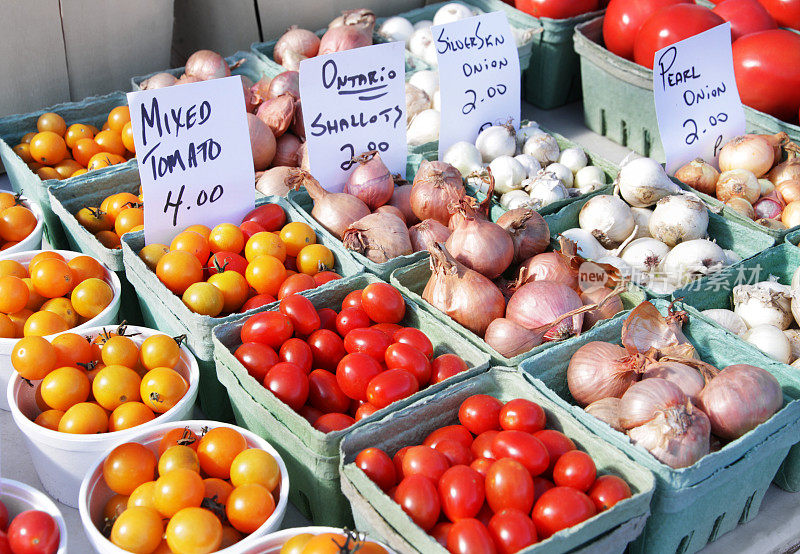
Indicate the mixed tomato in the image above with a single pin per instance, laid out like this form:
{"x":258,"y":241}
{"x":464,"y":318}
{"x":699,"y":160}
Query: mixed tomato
{"x":30,"y":532}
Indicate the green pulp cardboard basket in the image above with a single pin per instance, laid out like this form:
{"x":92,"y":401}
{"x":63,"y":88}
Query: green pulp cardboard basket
{"x":729,"y":234}
{"x":312,"y":457}
{"x":716,"y":292}
{"x":93,"y":111}
{"x":692,"y":506}
{"x":253,"y":67}
{"x":88,"y":190}
{"x":163,"y":310}
{"x":378,"y":515}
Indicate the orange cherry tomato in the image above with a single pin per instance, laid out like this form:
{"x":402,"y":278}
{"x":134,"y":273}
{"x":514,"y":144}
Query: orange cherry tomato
{"x":84,"y":418}
{"x":109,"y":239}
{"x":66,"y":168}
{"x":48,"y":148}
{"x":84,"y":150}
{"x":127,"y":137}
{"x":315,"y":258}
{"x":76,"y":132}
{"x":72,"y":349}
{"x":265,"y":274}
{"x":51,"y":122}
{"x":52,"y":277}
{"x":64,"y":387}
{"x":226,"y":237}
{"x":217,"y":449}
{"x":296,"y":236}
{"x":234,"y":289}
{"x":23,"y":150}
{"x":178,"y":269}
{"x":118,"y":117}
{"x":120,"y":201}
{"x":13,"y":294}
{"x":63,"y":307}
{"x":265,"y":243}
{"x":202,"y":230}
{"x":49,"y":419}
{"x":86,"y":267}
{"x":152,"y":253}
{"x":16,"y":223}
{"x":127,"y":219}
{"x":204,"y":299}
{"x":162,"y":388}
{"x":110,"y":141}
{"x":129,"y":414}
{"x":192,"y":242}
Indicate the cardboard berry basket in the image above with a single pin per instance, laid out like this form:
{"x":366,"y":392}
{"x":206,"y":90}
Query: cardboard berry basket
{"x":163,"y":310}
{"x":312,"y":456}
{"x":380,"y":516}
{"x":694,"y":505}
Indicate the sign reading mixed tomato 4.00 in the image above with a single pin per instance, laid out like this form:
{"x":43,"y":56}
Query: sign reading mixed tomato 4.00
{"x":479,"y":78}
{"x":353,"y":102}
{"x":195,"y":162}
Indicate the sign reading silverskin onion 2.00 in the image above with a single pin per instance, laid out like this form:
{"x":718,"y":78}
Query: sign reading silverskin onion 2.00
{"x":353,"y":102}
{"x":697,"y":102}
{"x":479,"y":79}
{"x":195,"y":162}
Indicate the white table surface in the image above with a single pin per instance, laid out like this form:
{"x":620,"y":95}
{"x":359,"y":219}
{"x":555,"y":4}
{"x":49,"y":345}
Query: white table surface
{"x":775,"y":529}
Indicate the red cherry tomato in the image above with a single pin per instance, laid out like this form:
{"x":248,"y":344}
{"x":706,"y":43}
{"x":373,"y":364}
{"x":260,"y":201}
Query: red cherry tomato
{"x":5,"y":548}
{"x":389,"y":329}
{"x":468,"y":536}
{"x":227,"y":261}
{"x":298,"y":352}
{"x":457,"y":433}
{"x":351,"y":318}
{"x":785,"y":12}
{"x":378,"y":466}
{"x":3,"y":517}
{"x":33,"y":532}
{"x":270,"y":216}
{"x":416,"y":338}
{"x":767,"y":68}
{"x":461,"y":492}
{"x":557,"y":9}
{"x":354,"y":374}
{"x":509,"y":485}
{"x":327,"y":319}
{"x":607,"y":490}
{"x":522,"y":415}
{"x":397,"y":460}
{"x":289,"y":383}
{"x":445,"y":366}
{"x":310,"y":413}
{"x":455,"y":452}
{"x":257,"y":358}
{"x":404,"y":356}
{"x":440,"y":531}
{"x":481,"y":465}
{"x":367,"y":341}
{"x":327,"y":348}
{"x":301,"y":312}
{"x":328,"y":423}
{"x":424,"y":460}
{"x":390,"y":386}
{"x":540,"y":485}
{"x":523,"y":447}
{"x":624,"y":18}
{"x":365,"y":409}
{"x":250,"y":228}
{"x":270,"y":328}
{"x":326,"y":277}
{"x":419,"y":498}
{"x":296,"y":283}
{"x":745,"y":16}
{"x":325,"y":394}
{"x":670,"y":25}
{"x":575,"y":469}
{"x":511,"y":531}
{"x":481,"y":447}
{"x":352,"y":300}
{"x":383,"y":303}
{"x":257,"y":301}
{"x":556,"y":443}
{"x":559,"y":508}
{"x":479,"y":413}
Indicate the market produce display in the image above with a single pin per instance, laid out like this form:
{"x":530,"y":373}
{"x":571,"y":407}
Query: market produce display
{"x":666,"y":400}
{"x":32,"y":531}
{"x":498,"y":481}
{"x":117,"y":214}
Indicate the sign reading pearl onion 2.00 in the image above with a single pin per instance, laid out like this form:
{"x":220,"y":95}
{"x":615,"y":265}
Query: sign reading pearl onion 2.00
{"x":479,"y":78}
{"x":353,"y":102}
{"x":195,"y":161}
{"x":697,"y":102}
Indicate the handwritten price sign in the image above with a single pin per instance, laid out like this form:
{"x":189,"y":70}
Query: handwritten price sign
{"x":479,"y":78}
{"x":696,"y":98}
{"x":195,"y":162}
{"x":354,"y":101}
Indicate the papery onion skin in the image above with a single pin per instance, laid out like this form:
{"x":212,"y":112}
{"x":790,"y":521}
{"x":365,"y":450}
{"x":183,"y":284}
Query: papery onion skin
{"x":430,"y":229}
{"x":401,"y":199}
{"x":386,"y":208}
{"x":742,"y":206}
{"x":540,"y":302}
{"x":262,"y":142}
{"x":685,"y":377}
{"x":205,"y":65}
{"x":481,"y":245}
{"x":548,"y":266}
{"x":608,"y":310}
{"x":600,"y":370}
{"x":740,"y":398}
{"x":159,"y":80}
{"x":769,"y":208}
{"x":528,"y":230}
{"x":287,"y":151}
{"x":791,"y":214}
{"x":675,"y":439}
{"x":436,"y":185}
{"x":699,"y":175}
{"x":275,"y":181}
{"x":785,"y":171}
{"x":510,"y":338}
{"x":278,"y":113}
{"x":379,"y":236}
{"x":789,"y":190}
{"x":750,"y":152}
{"x":334,"y":211}
{"x":371,"y":180}
{"x":344,"y":37}
{"x":738,"y":183}
{"x":297,"y":40}
{"x":287,"y":82}
{"x":646,"y":328}
{"x":606,"y":410}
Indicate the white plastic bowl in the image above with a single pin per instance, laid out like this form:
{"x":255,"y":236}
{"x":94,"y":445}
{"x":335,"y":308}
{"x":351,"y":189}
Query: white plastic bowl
{"x":106,"y":317}
{"x":34,"y":240}
{"x":19,"y":497}
{"x":61,"y":459}
{"x":271,"y":544}
{"x":94,"y":493}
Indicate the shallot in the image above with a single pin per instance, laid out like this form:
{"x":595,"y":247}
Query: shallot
{"x":159,"y":80}
{"x":371,"y":181}
{"x":380,"y":237}
{"x":688,"y":379}
{"x":608,"y":310}
{"x":262,"y":142}
{"x":401,"y":199}
{"x":549,"y":266}
{"x":607,"y":411}
{"x":436,"y":185}
{"x":528,"y":230}
{"x":352,"y":30}
{"x":699,"y":175}
{"x":601,"y":370}
{"x":275,"y":181}
{"x":481,"y":245}
{"x":422,"y":232}
{"x":335,"y":211}
{"x":278,"y":113}
{"x":287,"y":82}
{"x":205,"y":64}
{"x":298,"y":41}
{"x":287,"y":151}
{"x":540,"y":302}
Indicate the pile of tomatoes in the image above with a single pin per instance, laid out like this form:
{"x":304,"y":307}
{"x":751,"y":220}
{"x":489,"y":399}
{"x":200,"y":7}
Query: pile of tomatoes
{"x":497,"y":481}
{"x":233,"y":268}
{"x":558,"y":9}
{"x":58,"y":151}
{"x":108,"y":383}
{"x":330,"y":543}
{"x":51,"y":294}
{"x":16,"y":221}
{"x":197,"y":494}
{"x":337,"y":368}
{"x":31,"y":532}
{"x":117,"y":214}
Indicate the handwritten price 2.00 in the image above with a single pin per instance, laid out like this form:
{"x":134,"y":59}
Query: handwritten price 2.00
{"x":350,"y":151}
{"x":473,"y":99}
{"x":692,"y":136}
{"x":202,"y":198}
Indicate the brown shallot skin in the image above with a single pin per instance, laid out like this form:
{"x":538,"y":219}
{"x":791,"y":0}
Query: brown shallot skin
{"x":687,"y":378}
{"x":436,"y":185}
{"x":401,"y":199}
{"x":481,"y":245}
{"x":600,"y":370}
{"x":541,"y":302}
{"x":606,"y":410}
{"x":335,"y":211}
{"x":645,"y":328}
{"x":529,"y":232}
{"x":386,"y":208}
{"x":430,"y":229}
{"x":606,"y":311}
{"x":380,"y":237}
{"x":278,"y":113}
{"x":371,"y":180}
{"x":548,"y":266}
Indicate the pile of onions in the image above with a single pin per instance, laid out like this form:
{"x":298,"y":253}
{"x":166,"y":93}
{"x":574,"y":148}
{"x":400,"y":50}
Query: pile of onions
{"x":663,"y":398}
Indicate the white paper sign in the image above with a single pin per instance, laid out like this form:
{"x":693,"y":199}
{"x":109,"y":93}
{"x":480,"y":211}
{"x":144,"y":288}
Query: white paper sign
{"x":696,"y":98}
{"x":479,"y":78}
{"x":195,"y":162}
{"x":353,"y":102}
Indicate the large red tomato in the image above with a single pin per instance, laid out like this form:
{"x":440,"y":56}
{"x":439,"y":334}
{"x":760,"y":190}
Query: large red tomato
{"x":745,"y":16}
{"x":767,"y":68}
{"x":418,"y":497}
{"x":785,"y":12}
{"x":33,"y":532}
{"x":623,"y":20}
{"x":461,"y":492}
{"x":468,"y":536}
{"x":559,"y":508}
{"x":670,"y":25}
{"x":557,"y":9}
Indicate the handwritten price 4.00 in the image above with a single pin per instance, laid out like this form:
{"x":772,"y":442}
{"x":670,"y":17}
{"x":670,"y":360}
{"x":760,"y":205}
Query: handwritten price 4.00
{"x":473,"y":99}
{"x":202,"y":198}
